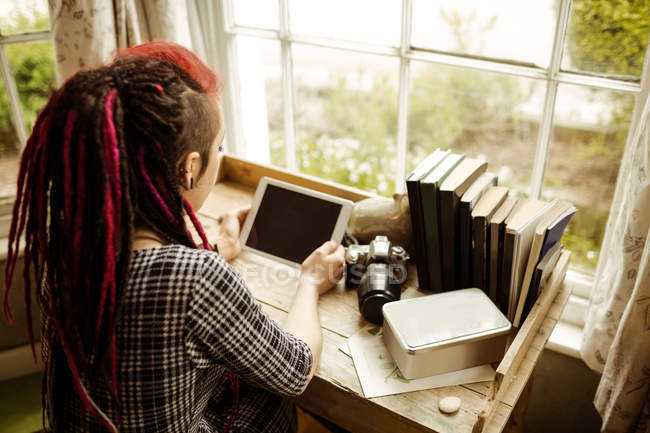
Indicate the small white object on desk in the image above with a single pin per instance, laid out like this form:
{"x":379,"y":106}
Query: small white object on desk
{"x":449,"y":404}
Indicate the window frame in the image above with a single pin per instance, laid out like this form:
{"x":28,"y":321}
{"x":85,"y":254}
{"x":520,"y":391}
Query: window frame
{"x":580,"y":281}
{"x":553,"y":75}
{"x":15,"y":109}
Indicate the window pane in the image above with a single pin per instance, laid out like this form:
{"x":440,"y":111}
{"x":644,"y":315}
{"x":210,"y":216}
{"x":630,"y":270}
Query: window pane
{"x":346,"y":116}
{"x":505,"y":29}
{"x":24,"y":16}
{"x":260,"y":79}
{"x":374,"y":21}
{"x":256,"y":13}
{"x":32,"y":66}
{"x":484,"y":114}
{"x":588,"y":141}
{"x":8,"y":148}
{"x":607,"y":37}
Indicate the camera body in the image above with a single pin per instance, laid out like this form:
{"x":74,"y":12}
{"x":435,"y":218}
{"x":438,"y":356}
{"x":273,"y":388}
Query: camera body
{"x":377,"y":271}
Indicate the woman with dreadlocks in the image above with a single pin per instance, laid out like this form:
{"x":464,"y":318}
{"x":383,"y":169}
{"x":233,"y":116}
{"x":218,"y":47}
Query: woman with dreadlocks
{"x":143,"y":330}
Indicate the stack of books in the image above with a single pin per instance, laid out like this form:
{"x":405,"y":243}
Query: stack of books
{"x":470,"y":232}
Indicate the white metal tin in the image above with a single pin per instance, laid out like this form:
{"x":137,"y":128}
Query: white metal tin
{"x":444,"y":332}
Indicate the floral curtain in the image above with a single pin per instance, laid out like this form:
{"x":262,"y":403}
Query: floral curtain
{"x":616,"y":339}
{"x":88,"y":33}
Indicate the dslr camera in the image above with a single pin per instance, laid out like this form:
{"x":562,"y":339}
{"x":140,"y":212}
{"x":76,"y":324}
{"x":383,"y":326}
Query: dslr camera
{"x":377,"y":271}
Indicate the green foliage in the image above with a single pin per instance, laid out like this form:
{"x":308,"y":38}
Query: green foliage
{"x":454,"y":108}
{"x":352,"y":140}
{"x":608,"y":36}
{"x":32,"y":66}
{"x":349,"y":133}
{"x":584,"y":235}
{"x":8,"y":138}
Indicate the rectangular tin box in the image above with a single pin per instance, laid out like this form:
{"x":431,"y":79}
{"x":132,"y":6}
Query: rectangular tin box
{"x":444,"y":332}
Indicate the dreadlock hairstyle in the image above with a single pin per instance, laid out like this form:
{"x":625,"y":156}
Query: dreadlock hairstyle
{"x":103,"y":157}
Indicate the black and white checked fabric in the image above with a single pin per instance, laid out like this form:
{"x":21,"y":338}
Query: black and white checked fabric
{"x":187,"y":319}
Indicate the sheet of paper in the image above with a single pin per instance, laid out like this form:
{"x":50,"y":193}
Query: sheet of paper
{"x":380,"y":376}
{"x":345,"y":348}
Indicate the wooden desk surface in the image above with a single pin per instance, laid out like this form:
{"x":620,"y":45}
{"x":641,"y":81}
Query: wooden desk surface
{"x":335,"y":392}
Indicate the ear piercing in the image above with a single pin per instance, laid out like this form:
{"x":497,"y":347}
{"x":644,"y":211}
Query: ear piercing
{"x":184,"y":171}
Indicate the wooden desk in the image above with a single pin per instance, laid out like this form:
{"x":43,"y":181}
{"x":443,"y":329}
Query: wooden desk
{"x":335,"y":392}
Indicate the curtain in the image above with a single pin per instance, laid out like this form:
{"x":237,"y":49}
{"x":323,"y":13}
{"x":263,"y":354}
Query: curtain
{"x":88,"y":33}
{"x":616,"y":338}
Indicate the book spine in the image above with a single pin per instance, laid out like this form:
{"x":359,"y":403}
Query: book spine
{"x":448,"y":202}
{"x":533,"y":294}
{"x":479,"y":249}
{"x":503,"y":292}
{"x":417,"y":224}
{"x":431,"y":215}
{"x":464,"y":268}
{"x":494,"y":261}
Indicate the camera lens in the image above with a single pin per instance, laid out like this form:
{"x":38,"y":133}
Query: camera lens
{"x":354,"y":274}
{"x":377,"y":287}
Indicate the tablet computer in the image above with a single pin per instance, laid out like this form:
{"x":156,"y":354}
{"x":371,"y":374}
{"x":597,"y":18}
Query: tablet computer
{"x":288,"y":222}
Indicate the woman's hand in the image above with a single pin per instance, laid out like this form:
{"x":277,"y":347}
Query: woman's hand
{"x":228,"y":233}
{"x":324,"y":267}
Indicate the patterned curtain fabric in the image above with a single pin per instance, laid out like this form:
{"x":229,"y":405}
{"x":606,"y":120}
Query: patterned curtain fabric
{"x":88,"y":33}
{"x":616,"y":339}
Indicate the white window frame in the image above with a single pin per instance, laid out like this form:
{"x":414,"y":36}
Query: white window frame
{"x":15,"y":109}
{"x":553,"y":76}
{"x":573,"y":317}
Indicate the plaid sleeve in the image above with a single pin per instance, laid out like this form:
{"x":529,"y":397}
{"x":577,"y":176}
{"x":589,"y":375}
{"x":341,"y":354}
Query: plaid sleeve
{"x":226,"y":326}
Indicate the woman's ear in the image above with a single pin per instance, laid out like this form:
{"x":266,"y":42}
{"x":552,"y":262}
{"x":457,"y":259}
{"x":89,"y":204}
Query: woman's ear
{"x":190,"y":168}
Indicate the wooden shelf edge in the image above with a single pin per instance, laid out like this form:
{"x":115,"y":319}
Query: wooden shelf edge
{"x":513,"y":373}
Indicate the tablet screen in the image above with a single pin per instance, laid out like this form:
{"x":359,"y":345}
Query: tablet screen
{"x":291,"y":225}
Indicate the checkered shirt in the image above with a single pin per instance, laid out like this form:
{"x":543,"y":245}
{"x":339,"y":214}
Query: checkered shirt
{"x":187,"y":319}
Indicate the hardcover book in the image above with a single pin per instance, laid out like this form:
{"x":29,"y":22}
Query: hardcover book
{"x":451,"y":190}
{"x":559,"y":210}
{"x":520,"y":231}
{"x":540,"y":276}
{"x":415,"y":205}
{"x":431,"y":213}
{"x":483,"y":211}
{"x":465,"y":207}
{"x":497,"y":234}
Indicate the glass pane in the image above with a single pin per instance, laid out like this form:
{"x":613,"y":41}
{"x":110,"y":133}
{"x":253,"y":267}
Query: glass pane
{"x":607,"y":37}
{"x":588,"y":141}
{"x":505,"y":29}
{"x":256,"y":13}
{"x":24,"y":17}
{"x":346,"y":117}
{"x":484,"y":114}
{"x":32,"y":66}
{"x":260,"y":78}
{"x":9,"y":155}
{"x":373,"y":21}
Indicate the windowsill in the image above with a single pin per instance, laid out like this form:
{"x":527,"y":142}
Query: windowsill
{"x":566,"y":337}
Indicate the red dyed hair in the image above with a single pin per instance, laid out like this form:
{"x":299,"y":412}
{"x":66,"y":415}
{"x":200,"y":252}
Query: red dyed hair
{"x":180,"y":56}
{"x":82,"y":183}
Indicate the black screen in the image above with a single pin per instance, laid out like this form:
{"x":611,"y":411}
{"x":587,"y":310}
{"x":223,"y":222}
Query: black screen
{"x":291,"y":225}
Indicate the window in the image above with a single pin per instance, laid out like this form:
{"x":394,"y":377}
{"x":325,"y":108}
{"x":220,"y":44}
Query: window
{"x":359,"y":92}
{"x":28,"y":79}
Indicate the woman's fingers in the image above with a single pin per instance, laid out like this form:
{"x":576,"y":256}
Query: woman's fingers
{"x":242,"y":213}
{"x":328,"y":247}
